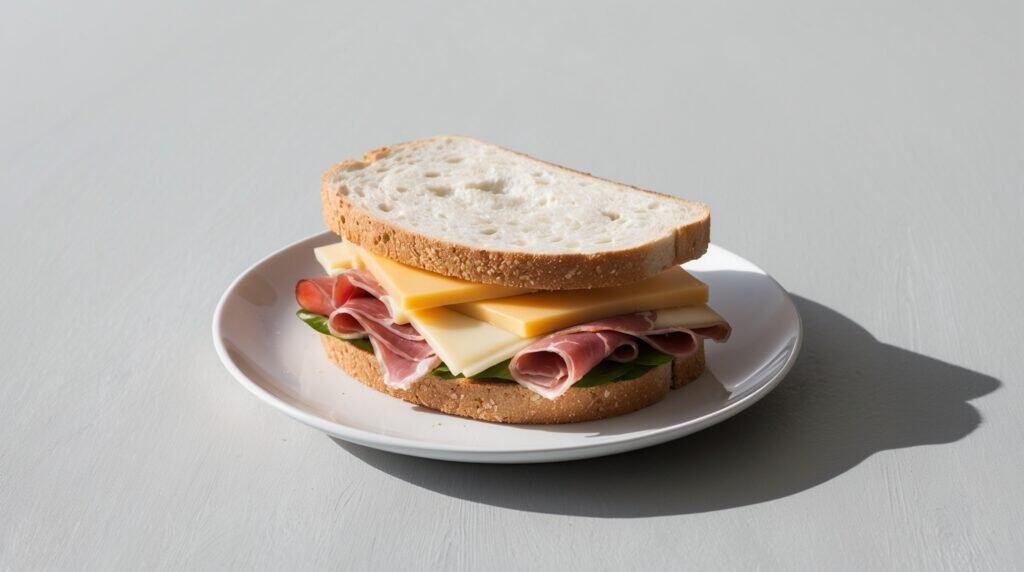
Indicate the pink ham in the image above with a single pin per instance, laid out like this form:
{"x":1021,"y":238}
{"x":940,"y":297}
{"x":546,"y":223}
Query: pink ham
{"x":403,"y":354}
{"x":551,"y":366}
{"x":351,"y":301}
{"x":546,"y":366}
{"x":323,"y":294}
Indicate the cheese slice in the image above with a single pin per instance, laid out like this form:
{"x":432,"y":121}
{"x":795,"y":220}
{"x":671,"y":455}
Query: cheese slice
{"x":408,"y":288}
{"x":466,"y":345}
{"x":534,"y":314}
{"x":686,"y":317}
{"x":416,"y":289}
{"x":337,"y":257}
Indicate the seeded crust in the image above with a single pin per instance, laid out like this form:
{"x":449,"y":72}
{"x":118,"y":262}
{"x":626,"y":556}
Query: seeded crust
{"x":511,"y":403}
{"x":508,"y":268}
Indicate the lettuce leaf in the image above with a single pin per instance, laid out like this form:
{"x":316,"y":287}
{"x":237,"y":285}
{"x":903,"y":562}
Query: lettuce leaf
{"x":605,"y":372}
{"x":610,"y":371}
{"x":319,"y":323}
{"x":496,"y":371}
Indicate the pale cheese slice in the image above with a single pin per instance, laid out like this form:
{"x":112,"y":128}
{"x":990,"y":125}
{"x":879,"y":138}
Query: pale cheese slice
{"x":337,"y":257}
{"x":538,"y":313}
{"x":686,"y":317}
{"x":466,"y":345}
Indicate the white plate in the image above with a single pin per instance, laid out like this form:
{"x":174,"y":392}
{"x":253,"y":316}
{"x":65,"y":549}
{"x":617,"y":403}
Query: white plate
{"x":280,"y":360}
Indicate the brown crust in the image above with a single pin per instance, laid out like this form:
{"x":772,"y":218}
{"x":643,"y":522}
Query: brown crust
{"x":512,"y":403}
{"x":522,"y":269}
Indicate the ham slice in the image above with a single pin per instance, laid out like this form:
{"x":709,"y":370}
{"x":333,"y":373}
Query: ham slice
{"x":547,"y":366}
{"x":551,"y":366}
{"x":323,"y":294}
{"x":352,"y":303}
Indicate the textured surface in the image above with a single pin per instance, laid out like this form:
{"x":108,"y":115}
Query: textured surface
{"x":473,"y":210}
{"x":511,"y":403}
{"x":867,"y":154}
{"x":459,"y":189}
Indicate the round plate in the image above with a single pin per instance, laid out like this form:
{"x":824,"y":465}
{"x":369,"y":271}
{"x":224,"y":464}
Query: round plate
{"x":280,"y":360}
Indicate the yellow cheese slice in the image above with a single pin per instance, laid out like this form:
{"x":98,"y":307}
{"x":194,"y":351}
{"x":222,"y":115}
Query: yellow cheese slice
{"x":466,"y":345}
{"x":415,"y":289}
{"x":408,"y":288}
{"x":337,"y":257}
{"x":534,"y":314}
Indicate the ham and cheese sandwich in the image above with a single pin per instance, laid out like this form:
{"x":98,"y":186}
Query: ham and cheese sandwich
{"x":484,"y":283}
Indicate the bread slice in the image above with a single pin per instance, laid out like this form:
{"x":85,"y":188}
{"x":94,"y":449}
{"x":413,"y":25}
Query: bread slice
{"x":476,"y":211}
{"x":512,"y":403}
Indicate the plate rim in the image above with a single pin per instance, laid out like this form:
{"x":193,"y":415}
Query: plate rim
{"x":519,"y":454}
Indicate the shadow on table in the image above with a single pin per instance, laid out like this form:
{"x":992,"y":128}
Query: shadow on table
{"x":847,"y":397}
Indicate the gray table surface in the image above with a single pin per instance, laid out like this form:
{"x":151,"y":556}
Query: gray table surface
{"x":870,"y":155}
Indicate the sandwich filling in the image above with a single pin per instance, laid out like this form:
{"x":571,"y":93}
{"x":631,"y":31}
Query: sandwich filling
{"x":448,"y":340}
{"x":353,"y":307}
{"x":552,"y":365}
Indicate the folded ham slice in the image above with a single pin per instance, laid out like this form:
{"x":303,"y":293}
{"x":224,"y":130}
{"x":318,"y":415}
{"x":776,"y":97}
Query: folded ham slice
{"x":351,"y":301}
{"x":551,"y":366}
{"x":323,"y":294}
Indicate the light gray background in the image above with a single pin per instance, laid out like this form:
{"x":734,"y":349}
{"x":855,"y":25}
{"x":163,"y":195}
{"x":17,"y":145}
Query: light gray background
{"x":867,"y":154}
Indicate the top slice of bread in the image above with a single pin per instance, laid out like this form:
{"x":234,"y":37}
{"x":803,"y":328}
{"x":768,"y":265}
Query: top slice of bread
{"x":472,"y":210}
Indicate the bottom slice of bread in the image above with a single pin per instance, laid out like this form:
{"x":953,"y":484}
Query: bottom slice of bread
{"x":507,"y":402}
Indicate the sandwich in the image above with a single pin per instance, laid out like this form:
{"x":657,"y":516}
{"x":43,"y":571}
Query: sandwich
{"x":484,"y":283}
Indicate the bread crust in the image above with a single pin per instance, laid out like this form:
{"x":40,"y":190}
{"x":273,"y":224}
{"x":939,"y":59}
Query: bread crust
{"x":509,"y":268}
{"x":512,"y":403}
